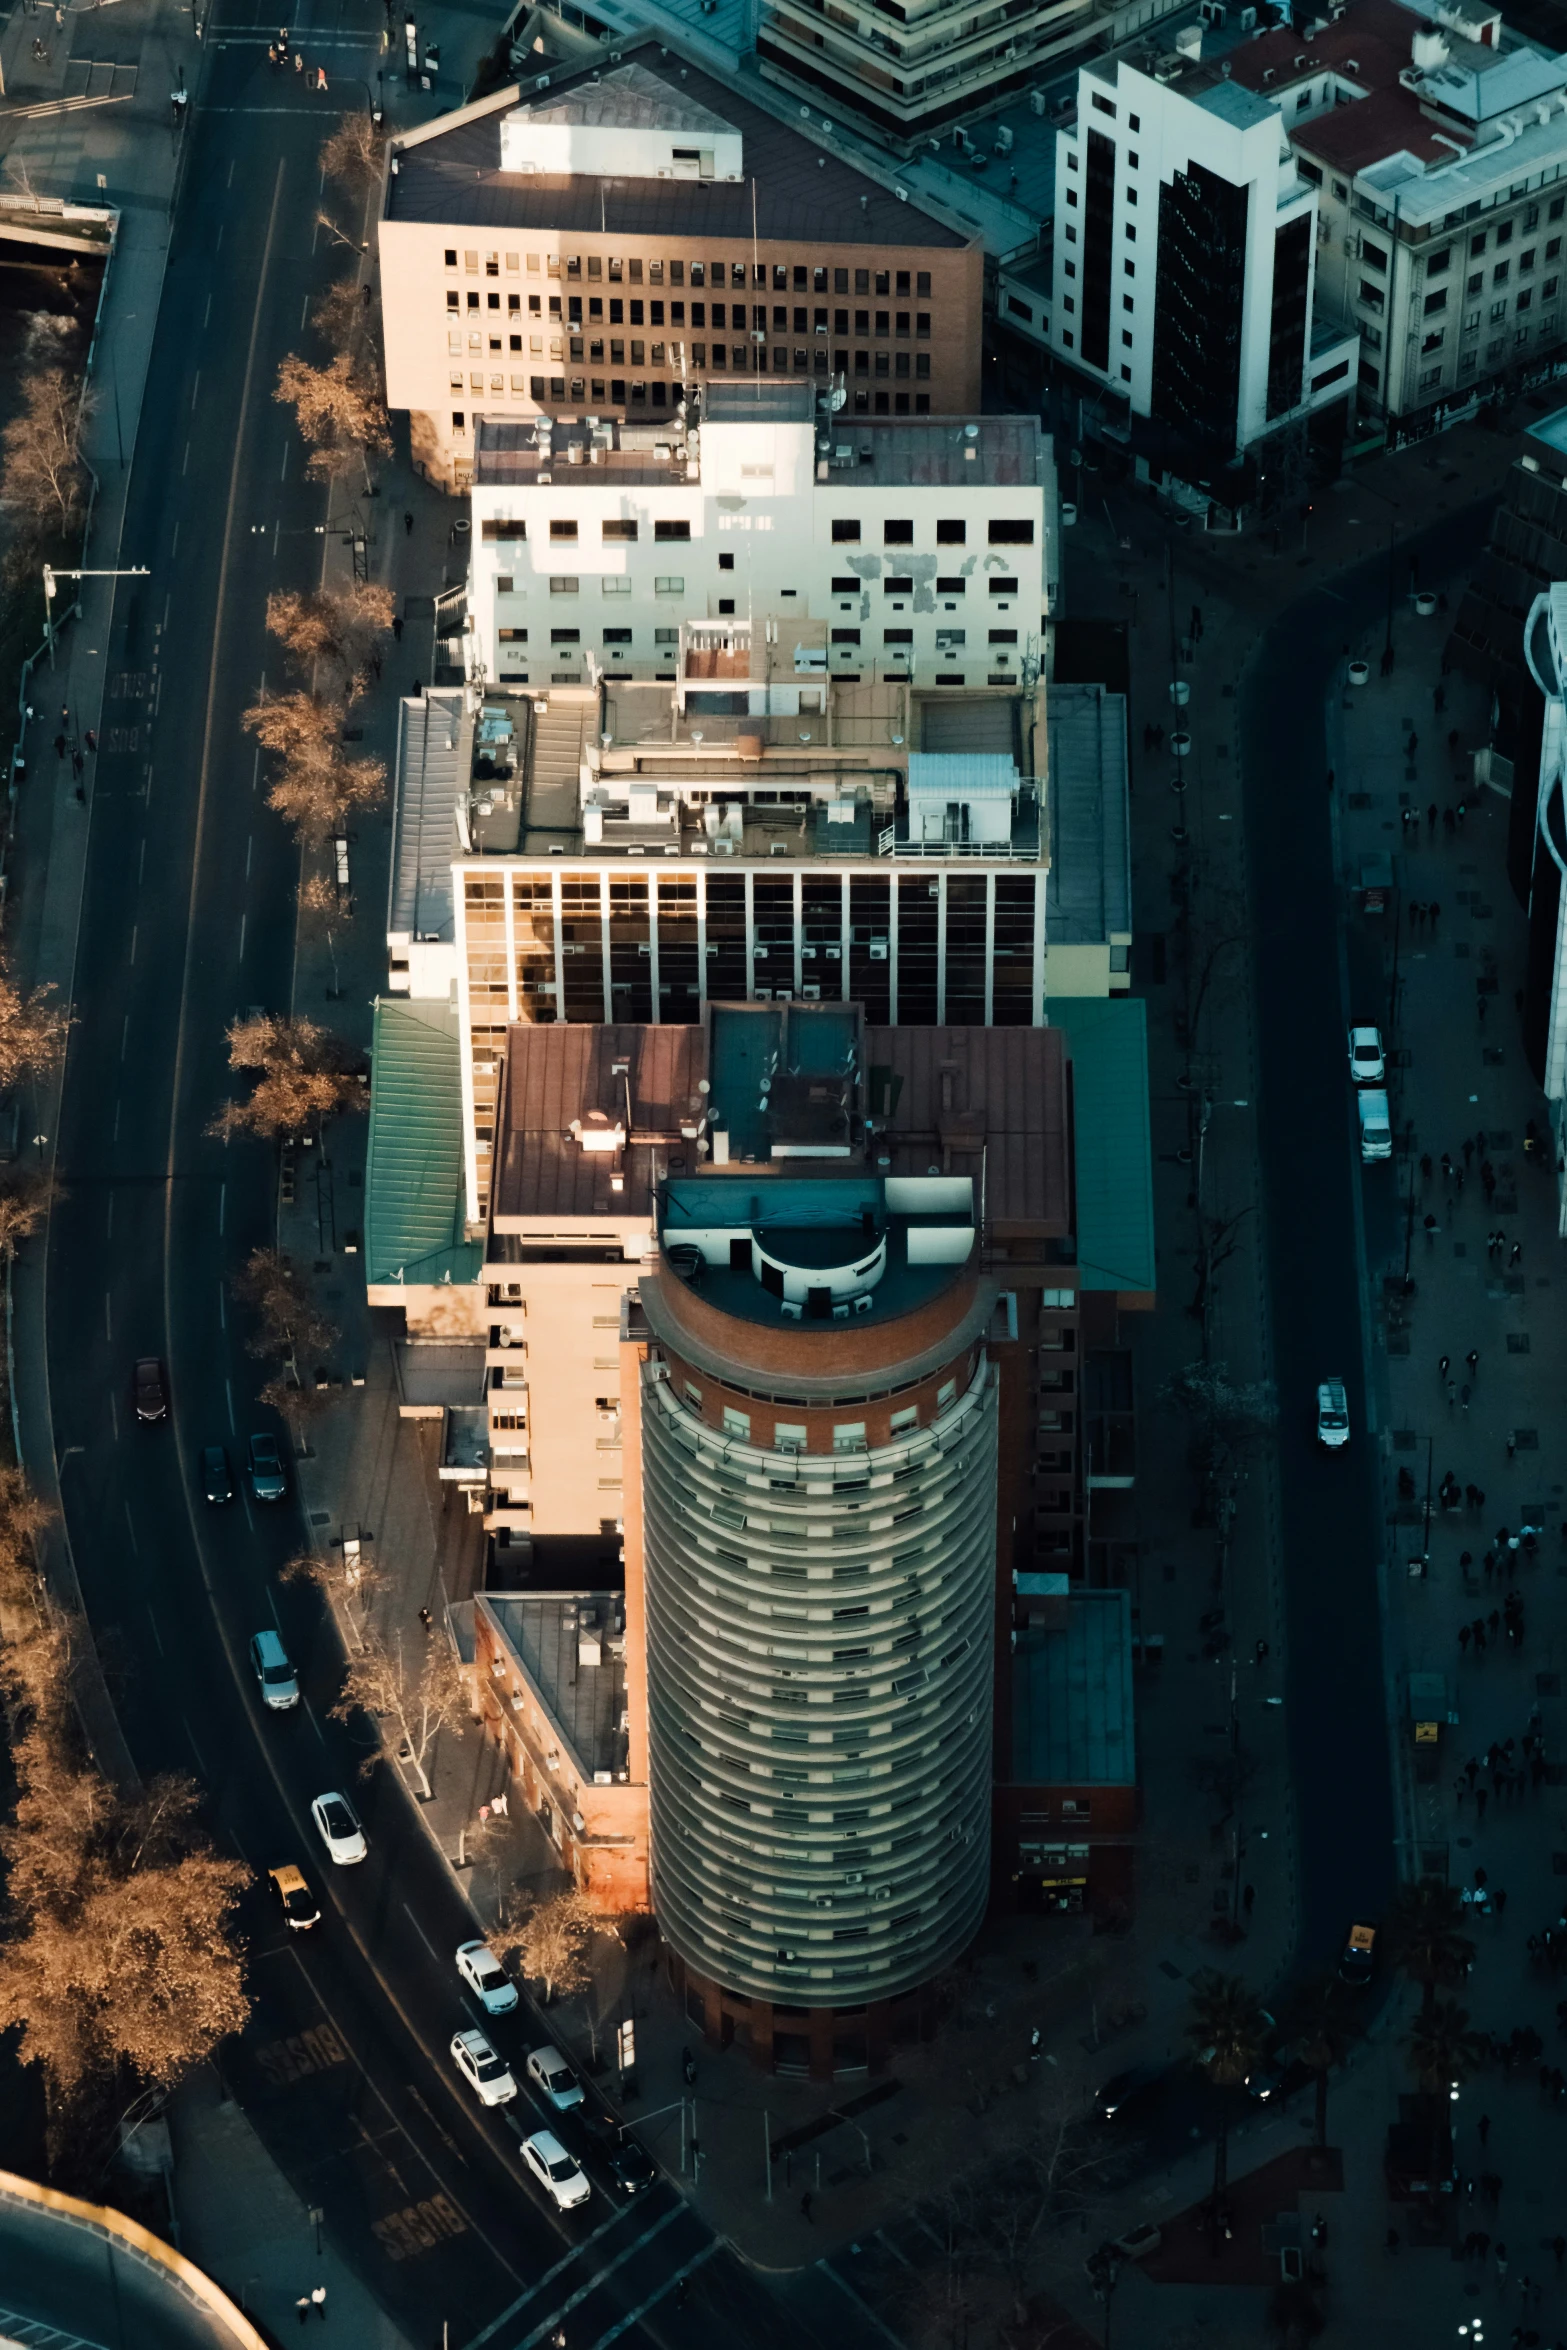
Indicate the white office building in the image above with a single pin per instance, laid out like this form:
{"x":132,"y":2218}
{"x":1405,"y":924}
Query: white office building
{"x":764,"y":547}
{"x":1185,"y":257}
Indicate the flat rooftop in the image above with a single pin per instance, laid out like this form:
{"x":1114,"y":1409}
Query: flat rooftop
{"x":562,"y":1072}
{"x":887,"y":452}
{"x":829,"y":1248}
{"x":1072,"y":1715}
{"x":546,"y":1636}
{"x":1089,"y":891}
{"x":454,"y":175}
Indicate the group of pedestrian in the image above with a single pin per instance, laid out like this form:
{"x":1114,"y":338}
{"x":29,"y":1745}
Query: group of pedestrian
{"x":65,"y":748}
{"x":1424,"y":914}
{"x":279,"y":53}
{"x":315,"y":2299}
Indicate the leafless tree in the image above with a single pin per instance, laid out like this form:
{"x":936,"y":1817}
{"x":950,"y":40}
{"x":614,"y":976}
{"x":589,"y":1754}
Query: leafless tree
{"x":304,"y":1075}
{"x":320,"y":913}
{"x":353,"y":156}
{"x":549,"y":1941}
{"x":43,"y":481}
{"x":340,"y":411}
{"x":347,"y":1580}
{"x":289,"y":1323}
{"x":26,"y":1196}
{"x":416,"y":1699}
{"x":339,"y":316}
{"x":33,"y":1030}
{"x":332,"y":634}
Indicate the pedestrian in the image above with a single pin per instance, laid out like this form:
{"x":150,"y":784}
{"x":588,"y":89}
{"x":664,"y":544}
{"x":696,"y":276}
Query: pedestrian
{"x":81,"y":797}
{"x":1248,"y":1898}
{"x":1512,"y":1442}
{"x":1319,"y":2231}
{"x":1425,"y":1166}
{"x":59,"y":746}
{"x":1433,"y":914}
{"x":302,"y":2306}
{"x":1431,"y":1228}
{"x":1464,"y":1638}
{"x":320,"y":77}
{"x":92,"y":742}
{"x":299,"y":61}
{"x":1261,"y":1656}
{"x":1472,"y":1769}
{"x":1501,"y":2256}
{"x":1517,"y":1255}
{"x":1452,"y":1397}
{"x":1431,"y":821}
{"x":408,"y":524}
{"x":272,"y":54}
{"x":1484,"y":2128}
{"x":1463,"y":1394}
{"x":318,"y":2299}
{"x":1447,"y":1177}
{"x":805,"y":2204}
{"x":78,"y":765}
{"x":397,"y":627}
{"x":1472,"y":1361}
{"x":1558,"y":2245}
{"x":1442,"y":1361}
{"x":1469,"y":1149}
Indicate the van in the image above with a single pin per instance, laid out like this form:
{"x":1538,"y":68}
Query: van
{"x":1376,"y":1131}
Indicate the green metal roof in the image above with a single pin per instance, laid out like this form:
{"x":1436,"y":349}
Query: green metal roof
{"x":1072,"y":1715}
{"x":414,"y":1168}
{"x":1108,"y":1038}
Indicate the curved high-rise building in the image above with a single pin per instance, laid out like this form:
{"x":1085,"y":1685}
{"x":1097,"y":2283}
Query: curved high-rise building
{"x":819,"y":1510}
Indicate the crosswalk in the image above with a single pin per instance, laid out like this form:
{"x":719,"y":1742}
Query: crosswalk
{"x":628,"y":2265}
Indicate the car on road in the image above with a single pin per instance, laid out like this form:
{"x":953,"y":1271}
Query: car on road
{"x":1127,"y":2089}
{"x":294,"y":1897}
{"x":486,"y":1978}
{"x":560,"y":2177}
{"x":1358,"y":1963}
{"x":550,"y":2071}
{"x":1376,"y":1124}
{"x":268,"y":1482}
{"x":1367,"y":1061}
{"x":632,"y":2167}
{"x":151,"y":1389}
{"x":339,"y":1829}
{"x":269,"y":1662}
{"x":489,"y":2076}
{"x":1137,"y":2244}
{"x":1332,"y":1414}
{"x":217,"y":1481}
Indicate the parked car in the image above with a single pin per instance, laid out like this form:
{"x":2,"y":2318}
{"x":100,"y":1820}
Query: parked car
{"x":294,"y":1897}
{"x":268,"y":1480}
{"x":1376,"y":1128}
{"x":560,"y":2177}
{"x":339,"y":1829}
{"x":269,"y":1662}
{"x":1367,"y":1061}
{"x":550,"y":2071}
{"x":1129,"y":2088}
{"x":1358,"y":1963}
{"x":1332,"y":1414}
{"x":217,"y":1481}
{"x":151,"y":1389}
{"x":631,"y":2166}
{"x":486,"y":1978}
{"x":489,"y":2076}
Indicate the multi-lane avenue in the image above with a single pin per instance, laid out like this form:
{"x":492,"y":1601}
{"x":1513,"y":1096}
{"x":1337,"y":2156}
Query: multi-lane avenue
{"x":187,"y":919}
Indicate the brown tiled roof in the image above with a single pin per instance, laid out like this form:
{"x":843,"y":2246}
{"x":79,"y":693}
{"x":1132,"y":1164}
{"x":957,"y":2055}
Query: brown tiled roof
{"x":1352,"y":138}
{"x":565,"y":1070}
{"x":1005,"y":1089}
{"x":455,"y":176}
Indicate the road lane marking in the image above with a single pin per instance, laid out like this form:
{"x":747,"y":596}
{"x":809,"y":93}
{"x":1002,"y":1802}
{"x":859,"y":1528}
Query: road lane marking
{"x":223,"y":1204}
{"x":195,"y":389}
{"x":157,"y":1635}
{"x":130,"y":1525}
{"x":554,"y":2316}
{"x":223,"y":1311}
{"x":116,"y":1134}
{"x":244,"y":918}
{"x":207,"y":318}
{"x":195,"y":1749}
{"x":174,"y":543}
{"x":114,"y":1416}
{"x":423,"y":1936}
{"x":311,"y":1711}
{"x":642,"y":2308}
{"x":125,"y":1034}
{"x":108,"y":1224}
{"x":108,"y":1318}
{"x":228,"y":1389}
{"x":250,"y":842}
{"x":141,"y":864}
{"x":185,"y":461}
{"x":549,"y":2276}
{"x":864,"y":2307}
{"x":135,"y":926}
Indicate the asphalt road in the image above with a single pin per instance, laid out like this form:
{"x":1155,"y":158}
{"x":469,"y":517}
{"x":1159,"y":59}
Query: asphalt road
{"x":1323,"y":1210}
{"x":187,"y":919}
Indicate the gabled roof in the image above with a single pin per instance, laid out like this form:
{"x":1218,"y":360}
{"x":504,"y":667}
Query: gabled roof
{"x":414,"y":1164}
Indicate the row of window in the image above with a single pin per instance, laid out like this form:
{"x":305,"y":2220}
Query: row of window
{"x":1002,"y":530}
{"x":733,"y":315}
{"x":781,"y":277}
{"x":951,"y":531}
{"x":947,"y":639}
{"x":865,"y":363}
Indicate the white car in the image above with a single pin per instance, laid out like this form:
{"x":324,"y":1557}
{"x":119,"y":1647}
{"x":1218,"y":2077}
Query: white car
{"x":486,"y":1978}
{"x":1332,"y":1414}
{"x":488,"y":2075}
{"x":555,"y":2077}
{"x":1367,"y":1061}
{"x":339,"y":1829}
{"x":557,"y":2174}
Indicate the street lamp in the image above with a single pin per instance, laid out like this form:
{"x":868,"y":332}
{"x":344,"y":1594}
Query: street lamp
{"x":134,"y":571}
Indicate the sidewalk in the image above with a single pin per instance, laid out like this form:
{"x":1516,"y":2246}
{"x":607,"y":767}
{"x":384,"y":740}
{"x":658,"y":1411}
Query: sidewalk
{"x":242,"y":2222}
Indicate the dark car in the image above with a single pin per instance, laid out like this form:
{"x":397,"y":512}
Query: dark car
{"x":267,"y":1479}
{"x":632,"y":2167}
{"x":216,"y":1481}
{"x":151,"y":1389}
{"x":295,"y":1899}
{"x":1130,"y":2088}
{"x":1358,"y":1963}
